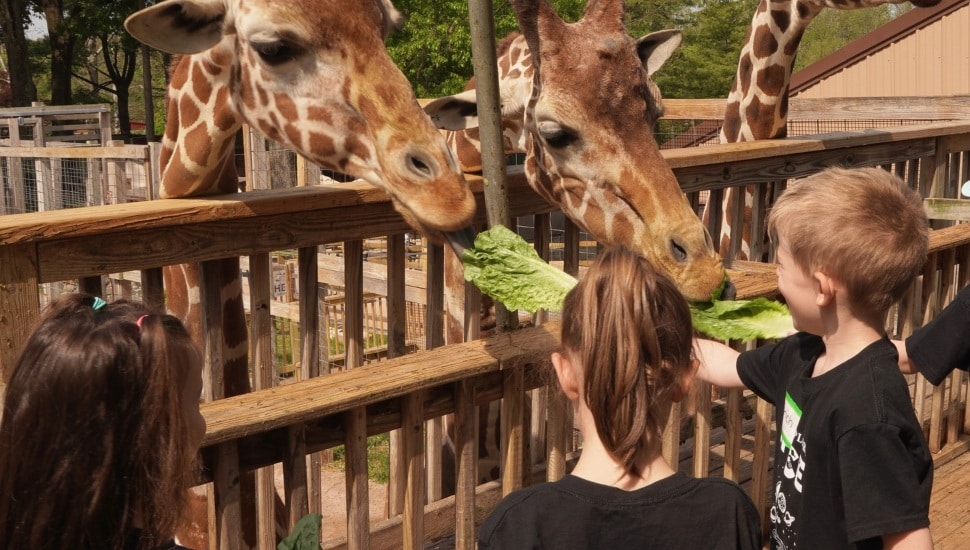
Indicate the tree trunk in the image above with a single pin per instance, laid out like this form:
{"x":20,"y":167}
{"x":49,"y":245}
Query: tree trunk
{"x":13,"y":18}
{"x":62,"y":54}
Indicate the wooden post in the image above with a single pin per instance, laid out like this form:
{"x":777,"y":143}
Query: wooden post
{"x":261,"y":351}
{"x":358,"y":517}
{"x":309,"y":358}
{"x":396,"y":347}
{"x":19,"y":301}
{"x":490,"y":129}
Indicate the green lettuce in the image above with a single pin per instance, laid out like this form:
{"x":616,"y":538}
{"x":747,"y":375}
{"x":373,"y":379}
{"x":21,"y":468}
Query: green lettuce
{"x":507,"y":268}
{"x":742,"y":320}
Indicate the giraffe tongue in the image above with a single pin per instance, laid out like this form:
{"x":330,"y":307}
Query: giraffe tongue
{"x":461,"y":240}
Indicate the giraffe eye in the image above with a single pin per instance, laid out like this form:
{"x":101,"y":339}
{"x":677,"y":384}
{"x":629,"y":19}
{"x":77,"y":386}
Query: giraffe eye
{"x":275,"y":52}
{"x":556,"y":135}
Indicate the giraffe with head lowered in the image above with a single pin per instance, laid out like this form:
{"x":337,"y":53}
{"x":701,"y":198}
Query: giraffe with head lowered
{"x":315,"y":76}
{"x":757,"y":105}
{"x":578,"y":100}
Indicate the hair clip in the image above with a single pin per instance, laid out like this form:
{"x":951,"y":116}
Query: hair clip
{"x":98,"y":303}
{"x":140,"y":319}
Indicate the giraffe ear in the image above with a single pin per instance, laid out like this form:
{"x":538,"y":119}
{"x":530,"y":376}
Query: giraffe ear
{"x":392,"y":18}
{"x":656,"y":48}
{"x":454,"y":112}
{"x":179,"y":26}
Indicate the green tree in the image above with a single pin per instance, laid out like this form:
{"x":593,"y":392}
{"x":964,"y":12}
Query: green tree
{"x":433,"y":48}
{"x":833,"y":29}
{"x":705,"y":64}
{"x":14,"y":17}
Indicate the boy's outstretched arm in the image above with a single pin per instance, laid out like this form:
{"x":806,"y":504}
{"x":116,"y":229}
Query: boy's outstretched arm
{"x":917,"y":539}
{"x":905,"y":364}
{"x":718,"y":363}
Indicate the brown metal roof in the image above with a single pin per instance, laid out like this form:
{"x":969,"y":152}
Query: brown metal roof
{"x":876,"y":40}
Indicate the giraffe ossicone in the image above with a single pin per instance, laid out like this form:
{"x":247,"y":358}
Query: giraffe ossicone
{"x":578,"y":100}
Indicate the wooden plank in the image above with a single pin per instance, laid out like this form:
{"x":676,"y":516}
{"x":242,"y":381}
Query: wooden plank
{"x":358,"y":519}
{"x":729,"y":165}
{"x":238,"y":416}
{"x":702,"y":428}
{"x":466,"y":463}
{"x":396,"y":347}
{"x":262,"y":363}
{"x":414,"y":495}
{"x":513,"y":429}
{"x":119,"y":152}
{"x":841,"y":109}
{"x":355,"y":447}
{"x":19,"y":302}
{"x":228,"y":498}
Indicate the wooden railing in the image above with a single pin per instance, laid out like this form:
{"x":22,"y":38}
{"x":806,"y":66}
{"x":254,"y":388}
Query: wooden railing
{"x":729,"y":436}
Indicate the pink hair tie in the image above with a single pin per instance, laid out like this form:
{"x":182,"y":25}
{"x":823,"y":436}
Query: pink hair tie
{"x":140,"y":319}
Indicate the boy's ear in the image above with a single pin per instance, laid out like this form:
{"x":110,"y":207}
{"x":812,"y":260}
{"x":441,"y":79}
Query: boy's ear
{"x":566,"y":374}
{"x":826,"y":287}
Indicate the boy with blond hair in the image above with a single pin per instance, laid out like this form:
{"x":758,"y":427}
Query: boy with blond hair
{"x":852,"y":468}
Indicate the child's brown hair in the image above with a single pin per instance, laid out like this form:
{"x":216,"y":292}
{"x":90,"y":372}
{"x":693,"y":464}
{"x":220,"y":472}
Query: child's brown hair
{"x":630,"y":330}
{"x":93,"y":435}
{"x":863,"y":226}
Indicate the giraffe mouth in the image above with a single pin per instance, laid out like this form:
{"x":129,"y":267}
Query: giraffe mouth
{"x":460,"y":240}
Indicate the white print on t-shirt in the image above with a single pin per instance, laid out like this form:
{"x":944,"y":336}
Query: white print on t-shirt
{"x":795,"y":462}
{"x":793,"y":445}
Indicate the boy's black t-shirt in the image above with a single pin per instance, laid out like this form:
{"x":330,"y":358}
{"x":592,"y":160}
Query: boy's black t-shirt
{"x":674,"y":513}
{"x":851,"y":462}
{"x":943,"y":344}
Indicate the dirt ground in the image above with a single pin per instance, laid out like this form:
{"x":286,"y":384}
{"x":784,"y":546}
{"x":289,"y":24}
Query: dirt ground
{"x":334,"y":486}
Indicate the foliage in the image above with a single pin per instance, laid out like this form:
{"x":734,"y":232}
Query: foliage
{"x":706,"y":61}
{"x":378,"y":458}
{"x":305,"y":534}
{"x":433,"y":48}
{"x":833,"y":29}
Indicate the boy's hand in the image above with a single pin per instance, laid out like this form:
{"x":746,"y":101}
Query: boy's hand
{"x":717,"y":363}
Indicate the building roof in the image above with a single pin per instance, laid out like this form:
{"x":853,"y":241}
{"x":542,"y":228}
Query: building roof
{"x":880,"y":38}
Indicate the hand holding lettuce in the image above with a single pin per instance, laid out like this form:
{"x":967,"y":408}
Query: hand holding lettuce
{"x":505,"y":267}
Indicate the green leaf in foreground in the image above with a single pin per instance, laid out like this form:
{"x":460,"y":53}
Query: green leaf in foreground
{"x":504,"y":266}
{"x":305,"y":534}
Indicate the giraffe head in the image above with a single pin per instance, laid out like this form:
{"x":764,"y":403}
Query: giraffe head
{"x":313,"y":75}
{"x":587,"y":105}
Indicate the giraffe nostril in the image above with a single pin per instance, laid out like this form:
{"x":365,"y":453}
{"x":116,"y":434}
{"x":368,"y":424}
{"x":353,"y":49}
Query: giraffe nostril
{"x":419,"y":165}
{"x":677,"y":251}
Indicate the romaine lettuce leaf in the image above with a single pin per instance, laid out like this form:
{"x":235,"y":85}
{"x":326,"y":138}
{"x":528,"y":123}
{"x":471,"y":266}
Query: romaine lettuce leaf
{"x":742,"y":320}
{"x":507,"y":268}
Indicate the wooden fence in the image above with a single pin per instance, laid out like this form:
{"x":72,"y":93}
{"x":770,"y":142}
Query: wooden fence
{"x":729,"y":434}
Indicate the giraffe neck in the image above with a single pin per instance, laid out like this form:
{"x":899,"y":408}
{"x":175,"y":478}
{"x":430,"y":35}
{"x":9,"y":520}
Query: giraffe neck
{"x":201,"y":126}
{"x":757,"y":106}
{"x":197,"y":159}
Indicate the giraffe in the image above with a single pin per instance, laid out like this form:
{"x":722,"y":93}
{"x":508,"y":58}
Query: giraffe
{"x":578,"y":100}
{"x":757,"y":105}
{"x":316,"y":77}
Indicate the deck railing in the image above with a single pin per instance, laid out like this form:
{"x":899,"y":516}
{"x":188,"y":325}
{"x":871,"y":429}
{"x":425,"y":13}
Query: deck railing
{"x":729,"y":433}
